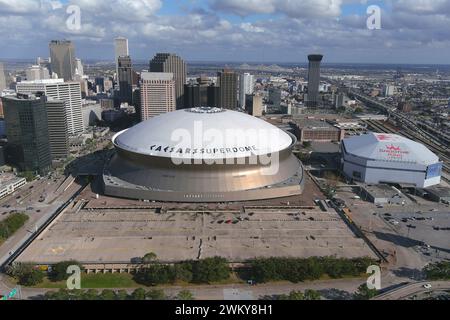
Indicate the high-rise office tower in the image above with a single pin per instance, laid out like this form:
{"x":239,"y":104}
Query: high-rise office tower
{"x":27,"y":131}
{"x":120,"y":50}
{"x":313,"y":80}
{"x":201,"y":94}
{"x":57,"y":128}
{"x":275,"y":97}
{"x":62,"y":54}
{"x":2,"y":78}
{"x":69,"y":92}
{"x":228,"y":83}
{"x":37,"y":72}
{"x":171,"y":63}
{"x":157,"y":94}
{"x":254,"y":104}
{"x":125,"y":78}
{"x":79,"y":70}
{"x":245,"y":87}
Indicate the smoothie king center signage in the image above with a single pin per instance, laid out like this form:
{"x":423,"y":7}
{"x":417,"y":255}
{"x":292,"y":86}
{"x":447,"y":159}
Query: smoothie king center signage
{"x":393,"y":152}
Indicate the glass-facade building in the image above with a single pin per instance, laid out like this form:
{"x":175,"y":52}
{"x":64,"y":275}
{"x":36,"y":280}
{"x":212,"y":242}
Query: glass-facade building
{"x":27,"y":132}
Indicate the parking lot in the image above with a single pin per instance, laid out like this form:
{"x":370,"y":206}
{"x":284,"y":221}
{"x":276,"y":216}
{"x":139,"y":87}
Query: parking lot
{"x":428,"y":232}
{"x":121,"y":235}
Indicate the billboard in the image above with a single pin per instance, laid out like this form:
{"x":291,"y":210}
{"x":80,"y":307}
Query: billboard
{"x":434,"y":170}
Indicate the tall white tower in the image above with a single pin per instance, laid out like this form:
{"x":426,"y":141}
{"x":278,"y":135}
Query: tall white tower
{"x":245,"y":87}
{"x":121,"y":50}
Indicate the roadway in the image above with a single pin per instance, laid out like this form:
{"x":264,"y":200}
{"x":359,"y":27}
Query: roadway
{"x":412,"y":289}
{"x":341,"y":289}
{"x":14,"y":245}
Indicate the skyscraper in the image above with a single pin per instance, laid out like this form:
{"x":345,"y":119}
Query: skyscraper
{"x":201,"y":94}
{"x":228,"y":83}
{"x":157,"y":94}
{"x":125,"y":78}
{"x":121,"y":50}
{"x":57,"y":128}
{"x":27,"y":131}
{"x":62,"y":54}
{"x":69,"y":92}
{"x":79,"y":70}
{"x":171,"y":63}
{"x":2,"y":78}
{"x":245,"y":87}
{"x":37,"y":72}
{"x":313,"y":80}
{"x":275,"y":97}
{"x":254,"y":104}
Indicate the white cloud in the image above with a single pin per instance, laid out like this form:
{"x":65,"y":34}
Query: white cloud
{"x":291,"y":8}
{"x":295,"y":28}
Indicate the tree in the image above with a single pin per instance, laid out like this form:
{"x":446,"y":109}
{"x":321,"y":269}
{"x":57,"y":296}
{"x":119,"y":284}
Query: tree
{"x":107,"y":295}
{"x":155,"y":294}
{"x":11,"y":224}
{"x":312,"y":295}
{"x":90,"y":294}
{"x":138,"y":294}
{"x":18,"y":269}
{"x":61,"y":294}
{"x":183,"y":272}
{"x":306,"y":144}
{"x":210,"y":270}
{"x":28,"y":175}
{"x":121,"y":295}
{"x":185,"y":295}
{"x":296,"y":295}
{"x":59,"y":270}
{"x":364,"y":293}
{"x":31,"y":278}
{"x":438,"y":271}
{"x":149,"y":257}
{"x":156,"y":274}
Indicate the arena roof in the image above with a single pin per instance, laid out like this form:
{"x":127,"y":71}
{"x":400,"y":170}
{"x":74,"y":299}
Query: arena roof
{"x":203,"y":133}
{"x":389,"y":147}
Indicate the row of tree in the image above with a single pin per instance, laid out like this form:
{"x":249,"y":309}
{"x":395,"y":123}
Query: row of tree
{"x":28,"y":274}
{"x":11,"y":224}
{"x":301,"y":269}
{"x":438,"y":271}
{"x":203,"y":271}
{"x":298,"y":295}
{"x":107,"y":294}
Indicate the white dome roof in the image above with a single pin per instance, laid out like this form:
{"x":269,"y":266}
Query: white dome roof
{"x":203,"y":133}
{"x":389,"y":147}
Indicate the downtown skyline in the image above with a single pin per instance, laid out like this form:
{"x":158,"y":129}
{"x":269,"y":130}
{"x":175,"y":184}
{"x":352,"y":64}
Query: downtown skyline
{"x":235,"y":31}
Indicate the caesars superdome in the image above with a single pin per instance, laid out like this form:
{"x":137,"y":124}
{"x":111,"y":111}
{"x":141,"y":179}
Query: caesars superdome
{"x":203,"y":155}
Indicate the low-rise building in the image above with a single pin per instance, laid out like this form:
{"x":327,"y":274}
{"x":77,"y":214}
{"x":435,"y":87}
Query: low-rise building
{"x":316,"y":130}
{"x":10,"y":183}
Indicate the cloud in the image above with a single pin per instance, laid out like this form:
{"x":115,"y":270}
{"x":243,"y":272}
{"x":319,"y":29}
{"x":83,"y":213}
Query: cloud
{"x":278,"y":30}
{"x":291,"y":8}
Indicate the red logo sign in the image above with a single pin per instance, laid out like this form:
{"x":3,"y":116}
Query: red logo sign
{"x":383,"y":137}
{"x":393,"y":148}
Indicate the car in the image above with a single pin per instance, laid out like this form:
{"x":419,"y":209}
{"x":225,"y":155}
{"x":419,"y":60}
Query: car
{"x":427,"y":286}
{"x":394,"y":222}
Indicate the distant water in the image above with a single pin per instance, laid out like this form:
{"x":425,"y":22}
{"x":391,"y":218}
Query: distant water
{"x":142,"y":64}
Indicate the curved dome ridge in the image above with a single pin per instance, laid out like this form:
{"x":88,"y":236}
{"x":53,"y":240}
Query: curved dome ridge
{"x":223,"y":133}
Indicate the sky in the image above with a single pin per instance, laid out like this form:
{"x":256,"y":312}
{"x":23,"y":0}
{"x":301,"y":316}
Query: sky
{"x":412,"y":31}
